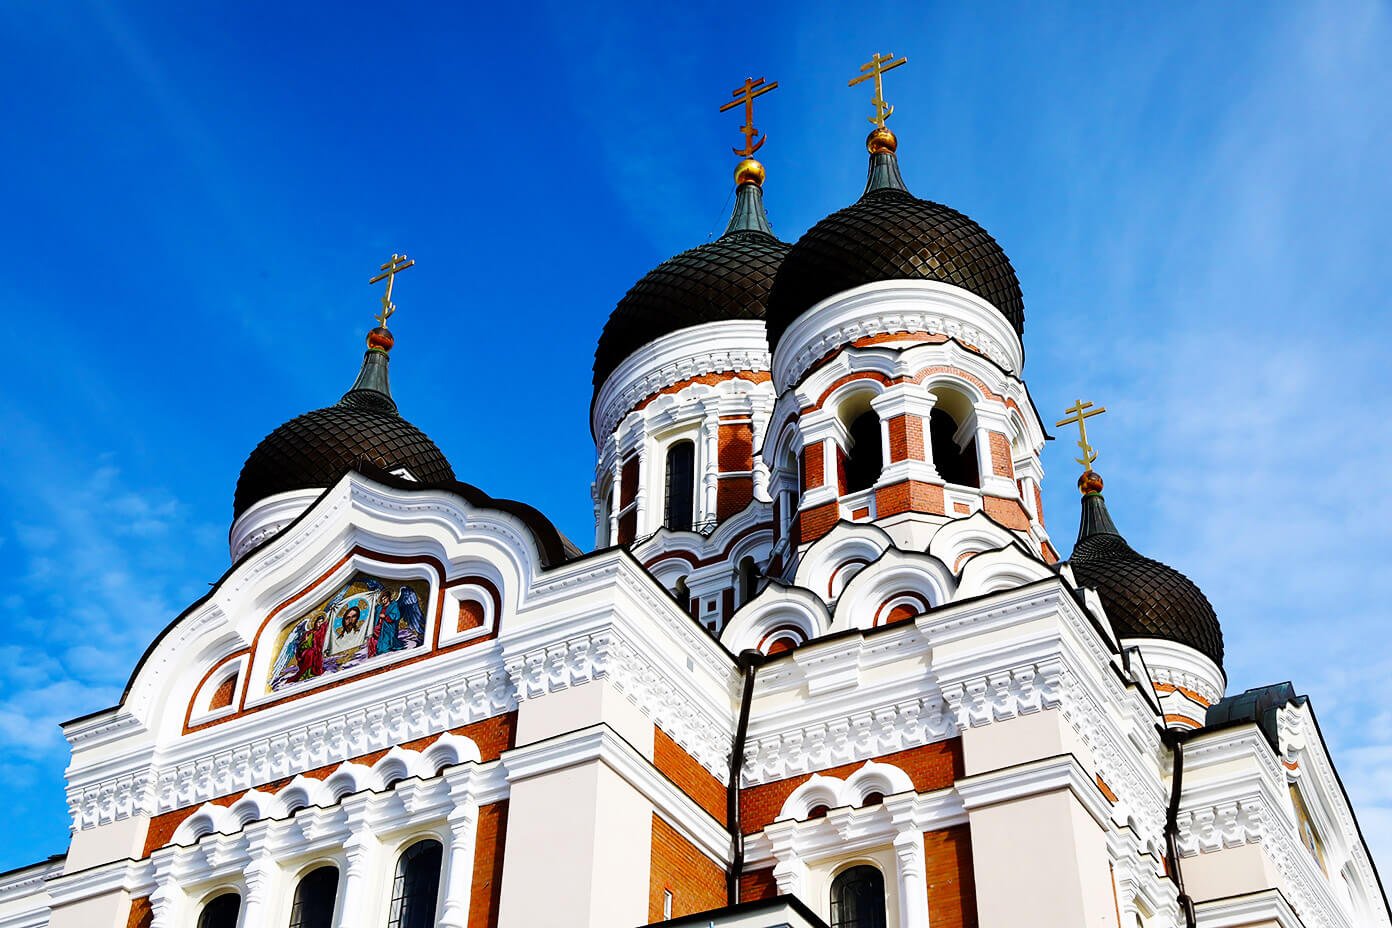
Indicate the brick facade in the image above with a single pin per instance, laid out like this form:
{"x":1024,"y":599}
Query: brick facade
{"x":689,"y":776}
{"x":905,"y":438}
{"x":909,"y":496}
{"x":488,"y":865}
{"x":951,"y":878}
{"x":755,"y":885}
{"x":1001,"y":464}
{"x":696,"y":882}
{"x":930,"y":767}
{"x":141,"y":914}
{"x":1007,"y":512}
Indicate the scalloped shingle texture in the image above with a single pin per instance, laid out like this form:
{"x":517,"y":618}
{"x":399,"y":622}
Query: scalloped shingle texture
{"x":729,"y":278}
{"x":316,"y":449}
{"x":890,"y":234}
{"x":1145,"y":598}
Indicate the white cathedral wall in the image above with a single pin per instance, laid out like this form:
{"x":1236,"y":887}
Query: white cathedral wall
{"x":579,"y":851}
{"x":113,"y":841}
{"x":577,"y":707}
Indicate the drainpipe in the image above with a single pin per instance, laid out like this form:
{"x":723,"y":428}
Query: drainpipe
{"x":749,"y":662}
{"x":1175,"y":741}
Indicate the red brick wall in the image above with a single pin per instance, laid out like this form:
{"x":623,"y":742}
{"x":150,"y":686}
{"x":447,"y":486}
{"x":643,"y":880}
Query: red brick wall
{"x":736,"y":446}
{"x":951,"y":880}
{"x":222,"y":698}
{"x":1006,"y":511}
{"x":696,"y":882}
{"x":470,"y":615}
{"x":813,"y":466}
{"x":755,"y":885}
{"x":906,"y":438}
{"x":1001,"y":465}
{"x":628,"y":481}
{"x":930,"y":767}
{"x":493,"y":736}
{"x":909,"y":496}
{"x":141,"y":915}
{"x":691,"y":778}
{"x":733,"y":494}
{"x":814,"y":523}
{"x":488,"y":865}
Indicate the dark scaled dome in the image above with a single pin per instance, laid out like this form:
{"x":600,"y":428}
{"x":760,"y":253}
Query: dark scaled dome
{"x":316,"y":449}
{"x":1143,"y":597}
{"x":889,"y":234}
{"x":727,"y":279}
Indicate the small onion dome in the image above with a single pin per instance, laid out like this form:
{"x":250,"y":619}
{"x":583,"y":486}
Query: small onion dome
{"x":723,"y":280}
{"x":1143,"y":597}
{"x":889,"y":234}
{"x":316,"y":449}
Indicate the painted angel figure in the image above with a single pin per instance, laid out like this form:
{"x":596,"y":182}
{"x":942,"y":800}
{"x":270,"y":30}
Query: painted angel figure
{"x":411,"y":612}
{"x":289,"y":651}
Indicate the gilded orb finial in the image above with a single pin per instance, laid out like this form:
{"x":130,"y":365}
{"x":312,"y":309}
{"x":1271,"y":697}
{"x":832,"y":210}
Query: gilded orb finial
{"x":381,"y":339}
{"x":1089,"y":481}
{"x":880,"y":140}
{"x":749,"y":171}
{"x":1082,"y":410}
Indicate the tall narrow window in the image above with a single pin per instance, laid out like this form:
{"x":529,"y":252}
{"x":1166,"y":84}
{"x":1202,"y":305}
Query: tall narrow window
{"x":681,"y":486}
{"x":683,"y":594}
{"x":858,"y":899}
{"x":866,"y":455}
{"x":955,"y":464}
{"x":314,"y":899}
{"x":748,"y":579}
{"x":222,"y":912}
{"x":416,"y":890}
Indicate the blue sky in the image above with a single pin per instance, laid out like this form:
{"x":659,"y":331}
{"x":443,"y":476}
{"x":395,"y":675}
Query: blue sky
{"x":1195,"y":197}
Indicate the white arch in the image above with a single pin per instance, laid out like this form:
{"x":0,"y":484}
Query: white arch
{"x":209,"y":819}
{"x":397,"y":764}
{"x":963,"y":537}
{"x":252,"y":807}
{"x":820,"y":790}
{"x":895,"y":573}
{"x":300,"y":793}
{"x":817,"y":791}
{"x":1002,"y":569}
{"x":875,"y":777}
{"x":349,"y":778}
{"x":449,"y":749}
{"x":823,"y":569}
{"x":776,"y":607}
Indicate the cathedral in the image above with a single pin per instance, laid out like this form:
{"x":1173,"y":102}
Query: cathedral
{"x":823,"y":667}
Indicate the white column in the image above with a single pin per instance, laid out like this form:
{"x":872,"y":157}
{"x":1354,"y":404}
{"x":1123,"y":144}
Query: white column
{"x":988,"y":420}
{"x":913,"y":878}
{"x":615,"y":495}
{"x":259,"y":877}
{"x":758,"y":423}
{"x":167,"y":902}
{"x":360,"y":850}
{"x":458,"y":879}
{"x":710,"y":479}
{"x":641,"y":526}
{"x":789,"y":873}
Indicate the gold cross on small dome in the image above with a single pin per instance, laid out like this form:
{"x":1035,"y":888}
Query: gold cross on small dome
{"x":1082,"y":411}
{"x":876,"y":67}
{"x":745,"y":94}
{"x":396,"y":265}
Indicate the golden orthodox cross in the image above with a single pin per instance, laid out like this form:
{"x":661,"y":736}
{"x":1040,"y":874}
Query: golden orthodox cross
{"x":396,"y":265}
{"x":875,"y":67}
{"x":1080,"y":417}
{"x":750,"y":89}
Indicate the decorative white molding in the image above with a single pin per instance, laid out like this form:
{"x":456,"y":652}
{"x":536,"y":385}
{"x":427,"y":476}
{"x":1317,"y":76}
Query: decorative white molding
{"x":885,"y":307}
{"x":712,"y":348}
{"x":267,"y":517}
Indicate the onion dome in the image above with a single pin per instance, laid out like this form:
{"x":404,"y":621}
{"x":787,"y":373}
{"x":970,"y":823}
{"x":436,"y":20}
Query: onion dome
{"x":727,"y":279}
{"x":314,"y":450}
{"x":1143,"y":597}
{"x":889,"y":234}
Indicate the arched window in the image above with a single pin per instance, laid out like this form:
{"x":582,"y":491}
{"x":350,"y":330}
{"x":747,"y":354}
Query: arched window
{"x":222,"y":912}
{"x":748,"y":579}
{"x":681,"y":486}
{"x":314,"y":899}
{"x":865,"y":458}
{"x":858,"y":899}
{"x":955,"y":463}
{"x":417,"y":887}
{"x":683,"y":594}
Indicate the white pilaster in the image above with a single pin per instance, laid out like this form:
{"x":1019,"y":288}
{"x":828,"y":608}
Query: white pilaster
{"x":457,"y":882}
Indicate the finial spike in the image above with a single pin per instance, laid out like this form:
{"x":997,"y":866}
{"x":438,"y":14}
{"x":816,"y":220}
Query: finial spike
{"x":875,"y":68}
{"x":396,"y":265}
{"x":1081,"y":411}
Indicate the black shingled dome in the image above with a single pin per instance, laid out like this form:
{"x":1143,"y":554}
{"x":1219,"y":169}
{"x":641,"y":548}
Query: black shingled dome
{"x":889,"y":234}
{"x":1143,"y":597}
{"x":727,"y":279}
{"x":314,"y":450}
